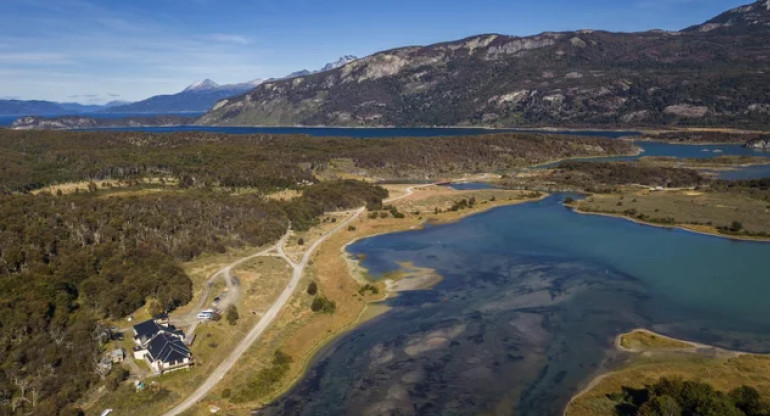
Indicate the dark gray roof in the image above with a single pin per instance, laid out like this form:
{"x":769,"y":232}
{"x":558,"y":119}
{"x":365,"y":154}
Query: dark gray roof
{"x":147,"y":329}
{"x":167,"y":348}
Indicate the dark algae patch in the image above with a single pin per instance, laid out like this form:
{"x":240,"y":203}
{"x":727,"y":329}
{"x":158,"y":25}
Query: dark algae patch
{"x":532,"y":298}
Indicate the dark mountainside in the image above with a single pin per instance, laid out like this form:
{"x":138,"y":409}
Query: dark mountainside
{"x":711,"y":74}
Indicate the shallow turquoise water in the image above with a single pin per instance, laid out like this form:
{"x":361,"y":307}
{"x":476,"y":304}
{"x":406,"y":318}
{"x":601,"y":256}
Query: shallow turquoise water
{"x":694,"y":152}
{"x":531,"y":299}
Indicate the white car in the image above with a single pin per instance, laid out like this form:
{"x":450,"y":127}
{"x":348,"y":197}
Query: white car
{"x":205,"y":315}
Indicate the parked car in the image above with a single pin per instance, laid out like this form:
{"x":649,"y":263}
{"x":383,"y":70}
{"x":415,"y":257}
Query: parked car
{"x":205,"y":315}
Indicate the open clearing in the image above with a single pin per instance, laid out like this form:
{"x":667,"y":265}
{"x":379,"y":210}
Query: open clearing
{"x":698,"y":211}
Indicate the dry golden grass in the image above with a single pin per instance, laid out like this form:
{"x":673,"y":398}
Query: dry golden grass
{"x":723,"y":373}
{"x":106,"y":184}
{"x":642,"y":340}
{"x":654,"y":356}
{"x":697,"y":211}
{"x":284,"y":195}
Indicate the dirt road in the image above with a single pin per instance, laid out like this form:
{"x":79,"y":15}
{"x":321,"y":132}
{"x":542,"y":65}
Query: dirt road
{"x":266,"y":319}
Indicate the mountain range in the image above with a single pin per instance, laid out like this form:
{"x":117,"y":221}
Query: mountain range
{"x":715,"y":73}
{"x":328,"y":67}
{"x":25,"y":107}
{"x":196,"y":98}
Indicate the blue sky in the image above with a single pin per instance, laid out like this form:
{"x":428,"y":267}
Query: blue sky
{"x":100,"y":50}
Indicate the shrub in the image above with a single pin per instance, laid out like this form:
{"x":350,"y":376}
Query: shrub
{"x":323,"y":304}
{"x":312,"y":289}
{"x":231,"y":314}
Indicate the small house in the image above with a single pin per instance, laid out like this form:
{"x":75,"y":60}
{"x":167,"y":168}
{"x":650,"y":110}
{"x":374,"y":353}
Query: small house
{"x":162,"y":345}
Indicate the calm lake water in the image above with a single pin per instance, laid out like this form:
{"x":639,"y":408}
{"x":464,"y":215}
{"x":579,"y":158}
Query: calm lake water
{"x":365,"y":133}
{"x":531,"y":300}
{"x":695,"y":152}
{"x":471,"y":186}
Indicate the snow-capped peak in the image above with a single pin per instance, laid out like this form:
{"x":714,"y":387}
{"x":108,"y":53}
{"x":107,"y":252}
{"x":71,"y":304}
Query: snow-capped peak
{"x":340,"y":62}
{"x":255,"y":82}
{"x":206,"y":84}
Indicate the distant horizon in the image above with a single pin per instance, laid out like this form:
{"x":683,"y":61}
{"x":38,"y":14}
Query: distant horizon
{"x":84,"y":52}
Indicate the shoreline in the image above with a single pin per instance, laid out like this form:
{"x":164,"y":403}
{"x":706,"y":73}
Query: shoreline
{"x":373,"y":308}
{"x":694,"y":348}
{"x":678,"y":226}
{"x":638,"y":152}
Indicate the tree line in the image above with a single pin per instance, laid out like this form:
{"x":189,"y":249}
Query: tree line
{"x":31,"y":160}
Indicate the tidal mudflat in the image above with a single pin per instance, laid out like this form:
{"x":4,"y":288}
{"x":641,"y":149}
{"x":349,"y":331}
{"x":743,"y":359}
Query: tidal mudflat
{"x":532,"y":297}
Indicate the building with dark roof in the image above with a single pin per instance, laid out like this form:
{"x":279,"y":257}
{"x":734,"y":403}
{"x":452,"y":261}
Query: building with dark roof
{"x":161,"y":345}
{"x":167,"y":352}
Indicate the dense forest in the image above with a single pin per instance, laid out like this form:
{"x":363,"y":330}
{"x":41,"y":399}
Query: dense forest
{"x":69,"y":261}
{"x":30,"y":160}
{"x":676,"y":397}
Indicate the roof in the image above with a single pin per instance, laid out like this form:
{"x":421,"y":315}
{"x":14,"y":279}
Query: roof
{"x":166,"y":348}
{"x":147,"y":329}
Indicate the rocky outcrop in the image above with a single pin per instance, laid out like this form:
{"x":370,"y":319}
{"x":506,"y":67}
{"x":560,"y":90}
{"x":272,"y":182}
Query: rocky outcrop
{"x":710,"y":75}
{"x":762,"y":143}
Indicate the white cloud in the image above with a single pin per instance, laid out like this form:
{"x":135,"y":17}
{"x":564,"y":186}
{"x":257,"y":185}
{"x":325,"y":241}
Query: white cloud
{"x":80,"y":47}
{"x":229,"y":38}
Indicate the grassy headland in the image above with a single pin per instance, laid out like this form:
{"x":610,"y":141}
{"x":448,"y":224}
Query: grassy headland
{"x":653,"y":357}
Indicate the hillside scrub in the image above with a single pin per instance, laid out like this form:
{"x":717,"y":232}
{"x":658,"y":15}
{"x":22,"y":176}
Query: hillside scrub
{"x":31,"y":160}
{"x":589,"y":174}
{"x":70,"y":261}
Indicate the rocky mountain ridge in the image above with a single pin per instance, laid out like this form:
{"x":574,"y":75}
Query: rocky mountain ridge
{"x":716,"y":73}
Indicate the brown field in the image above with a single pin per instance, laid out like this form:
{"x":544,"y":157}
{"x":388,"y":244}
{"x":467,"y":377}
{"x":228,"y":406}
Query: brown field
{"x":106,"y":184}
